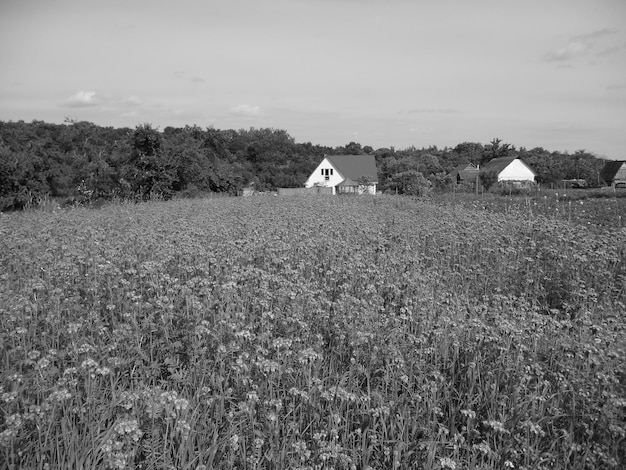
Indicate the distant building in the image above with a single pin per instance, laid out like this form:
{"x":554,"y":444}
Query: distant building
{"x":465,"y":173}
{"x":614,"y":173}
{"x":346,"y":174}
{"x":510,"y":169}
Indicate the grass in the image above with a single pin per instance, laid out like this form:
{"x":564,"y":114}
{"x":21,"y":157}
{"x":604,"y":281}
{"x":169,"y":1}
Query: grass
{"x":375,"y":332}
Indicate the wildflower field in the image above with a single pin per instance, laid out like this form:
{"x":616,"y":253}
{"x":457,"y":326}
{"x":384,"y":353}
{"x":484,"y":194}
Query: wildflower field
{"x":311,"y":333}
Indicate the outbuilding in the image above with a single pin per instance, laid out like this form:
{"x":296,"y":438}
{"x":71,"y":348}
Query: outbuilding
{"x":346,"y":174}
{"x":510,"y":169}
{"x":614,"y":173}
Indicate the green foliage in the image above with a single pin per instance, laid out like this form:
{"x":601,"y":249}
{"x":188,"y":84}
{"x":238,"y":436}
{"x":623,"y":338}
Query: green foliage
{"x":496,"y":149}
{"x":81,"y":163}
{"x":488,"y":179}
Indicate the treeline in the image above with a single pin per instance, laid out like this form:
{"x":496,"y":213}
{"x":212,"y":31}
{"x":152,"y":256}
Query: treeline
{"x":80,"y":162}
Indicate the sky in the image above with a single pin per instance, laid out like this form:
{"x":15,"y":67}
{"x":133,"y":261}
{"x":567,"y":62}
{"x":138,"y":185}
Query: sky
{"x":383,"y":73}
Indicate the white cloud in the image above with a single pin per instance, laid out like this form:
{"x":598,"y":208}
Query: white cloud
{"x":580,"y":45}
{"x":571,"y":51}
{"x":246,"y":110}
{"x":82,"y":99}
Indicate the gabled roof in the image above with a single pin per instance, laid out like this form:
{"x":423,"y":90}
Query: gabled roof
{"x":498,"y":164}
{"x":466,"y":172}
{"x":610,"y":169}
{"x":355,"y":167}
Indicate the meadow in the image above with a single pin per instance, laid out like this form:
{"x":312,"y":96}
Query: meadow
{"x":312,"y":333}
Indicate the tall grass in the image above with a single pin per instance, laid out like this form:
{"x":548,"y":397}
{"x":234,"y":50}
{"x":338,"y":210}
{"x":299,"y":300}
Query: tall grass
{"x":310,"y":333}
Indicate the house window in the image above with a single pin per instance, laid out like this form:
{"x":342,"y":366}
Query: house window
{"x":326,"y":178}
{"x":322,"y":171}
{"x":331,"y":171}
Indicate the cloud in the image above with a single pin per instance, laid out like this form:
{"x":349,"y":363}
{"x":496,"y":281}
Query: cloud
{"x":579,"y":46}
{"x":433,"y":111}
{"x":569,"y":52}
{"x":182,"y":75}
{"x":590,"y":37}
{"x":82,"y":99}
{"x":245,"y":110}
{"x":616,"y":87}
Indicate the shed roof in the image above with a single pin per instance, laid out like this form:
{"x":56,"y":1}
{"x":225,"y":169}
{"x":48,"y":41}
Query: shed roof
{"x":466,"y":172}
{"x":355,"y":167}
{"x":610,"y":169}
{"x":498,"y":164}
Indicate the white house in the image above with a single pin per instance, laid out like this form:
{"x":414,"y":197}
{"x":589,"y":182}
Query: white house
{"x":510,"y":169}
{"x":346,"y":174}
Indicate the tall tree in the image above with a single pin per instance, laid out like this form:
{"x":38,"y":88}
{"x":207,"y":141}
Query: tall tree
{"x":496,"y":149}
{"x":151,"y":174}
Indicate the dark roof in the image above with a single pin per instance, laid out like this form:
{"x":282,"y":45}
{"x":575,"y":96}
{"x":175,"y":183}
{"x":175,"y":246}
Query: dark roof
{"x":465,"y":172}
{"x":610,"y":169}
{"x":498,"y":164}
{"x":355,"y":167}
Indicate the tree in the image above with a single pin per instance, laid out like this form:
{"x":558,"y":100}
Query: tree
{"x":353,"y":148}
{"x":402,"y":176}
{"x":150,"y":173}
{"x":468,"y":152}
{"x":496,"y":149}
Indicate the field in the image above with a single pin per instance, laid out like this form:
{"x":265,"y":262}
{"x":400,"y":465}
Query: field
{"x":333,"y":332}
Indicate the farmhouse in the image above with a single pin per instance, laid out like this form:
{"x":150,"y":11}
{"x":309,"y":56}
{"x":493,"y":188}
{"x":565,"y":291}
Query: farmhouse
{"x":465,"y":173}
{"x":346,"y":174}
{"x":614,"y":173}
{"x":510,"y":169}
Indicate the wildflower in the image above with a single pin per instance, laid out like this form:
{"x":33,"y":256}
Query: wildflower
{"x":129,"y":427}
{"x":483,"y":447}
{"x":33,"y":355}
{"x":447,"y":462}
{"x":19,"y":331}
{"x":234,"y":442}
{"x":13,"y":421}
{"x":70,"y":371}
{"x":60,"y":395}
{"x":17,"y":378}
{"x":85,"y":348}
{"x":180,"y":404}
{"x":7,"y":436}
{"x":103,"y":371}
{"x":88,"y":364}
{"x":183,"y":428}
{"x":533,"y":428}
{"x":43,"y":363}
{"x":496,"y":426}
{"x":8,"y":397}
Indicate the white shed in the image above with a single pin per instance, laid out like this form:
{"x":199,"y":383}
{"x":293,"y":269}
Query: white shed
{"x":510,"y":169}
